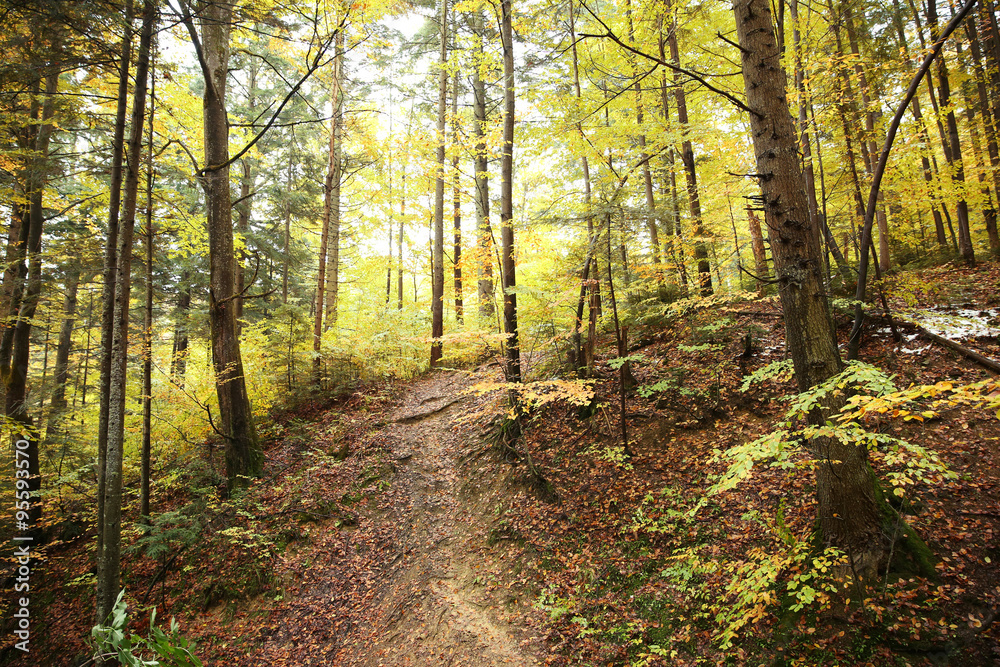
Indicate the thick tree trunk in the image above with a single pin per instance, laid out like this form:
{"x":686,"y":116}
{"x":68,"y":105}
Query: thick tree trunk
{"x":244,"y":456}
{"x":16,"y":380}
{"x":109,"y":559}
{"x":849,"y":516}
{"x":437,"y":254}
{"x":513,"y":365}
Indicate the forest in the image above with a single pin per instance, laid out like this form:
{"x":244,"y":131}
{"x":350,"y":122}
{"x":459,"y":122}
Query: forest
{"x":489,"y":332}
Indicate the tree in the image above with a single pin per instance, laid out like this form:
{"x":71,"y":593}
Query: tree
{"x":437,"y":273}
{"x":513,"y":362}
{"x":109,"y":523}
{"x":849,"y":515}
{"x":244,"y":456}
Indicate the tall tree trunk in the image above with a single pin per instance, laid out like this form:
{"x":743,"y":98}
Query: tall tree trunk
{"x":647,"y":176}
{"x":868,"y":142}
{"x":16,"y":380}
{"x":990,"y":130}
{"x":953,"y":143}
{"x":111,"y":273}
{"x":456,"y":200}
{"x":179,"y":361}
{"x":399,"y":243}
{"x":690,"y":171}
{"x":437,"y":254}
{"x":330,"y":232}
{"x":815,"y":218}
{"x":848,"y":514}
{"x":245,"y":205}
{"x":513,"y":365}
{"x":286,"y":238}
{"x":109,"y":559}
{"x":147,"y":334}
{"x":335,"y":176}
{"x":244,"y":456}
{"x":65,"y":344}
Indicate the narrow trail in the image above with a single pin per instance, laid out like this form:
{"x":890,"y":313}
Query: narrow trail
{"x":431,"y":608}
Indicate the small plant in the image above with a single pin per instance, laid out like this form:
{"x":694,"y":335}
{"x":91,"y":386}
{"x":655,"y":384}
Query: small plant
{"x":165,"y":649}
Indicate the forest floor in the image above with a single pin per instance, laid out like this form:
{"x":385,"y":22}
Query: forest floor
{"x":387,"y":531}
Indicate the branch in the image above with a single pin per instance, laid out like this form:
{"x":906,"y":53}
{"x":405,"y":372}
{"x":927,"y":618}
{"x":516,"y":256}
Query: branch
{"x":609,"y":34}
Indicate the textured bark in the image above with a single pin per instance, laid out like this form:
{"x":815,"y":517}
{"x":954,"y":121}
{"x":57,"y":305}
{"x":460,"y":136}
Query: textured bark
{"x":456,"y":257}
{"x":484,"y":231}
{"x":111,"y":271}
{"x":147,"y":333}
{"x":848,"y":512}
{"x":690,"y":172}
{"x":109,"y":558}
{"x":16,"y":378}
{"x":982,"y":104}
{"x":335,"y":174}
{"x":329,"y":240}
{"x":437,"y":253}
{"x":513,"y":356}
{"x":244,"y":456}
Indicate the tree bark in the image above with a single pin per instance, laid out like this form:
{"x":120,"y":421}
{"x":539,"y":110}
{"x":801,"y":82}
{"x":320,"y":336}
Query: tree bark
{"x":690,"y":171}
{"x":513,"y":356}
{"x":111,"y":273}
{"x":335,"y":176}
{"x":456,"y":201}
{"x":954,"y":145}
{"x":848,"y":513}
{"x":244,"y":456}
{"x":147,"y":337}
{"x":437,"y":254}
{"x":484,"y":231}
{"x":109,"y":559}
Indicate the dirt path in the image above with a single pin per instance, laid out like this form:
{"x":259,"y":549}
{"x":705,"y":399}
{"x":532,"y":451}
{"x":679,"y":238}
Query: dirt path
{"x":432,"y":609}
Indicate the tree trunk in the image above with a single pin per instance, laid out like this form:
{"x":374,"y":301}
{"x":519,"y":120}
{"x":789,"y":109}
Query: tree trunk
{"x":147,"y":337}
{"x":111,"y":274}
{"x":456,"y":201}
{"x":990,"y":131}
{"x":335,"y":176}
{"x":759,"y":255}
{"x":513,"y":365}
{"x":65,"y":344}
{"x":954,"y":145}
{"x":437,"y":254}
{"x":244,"y":456}
{"x":690,"y":171}
{"x":848,"y":513}
{"x":484,"y":231}
{"x":16,"y":409}
{"x":109,"y":559}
